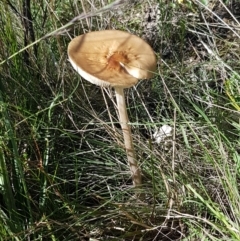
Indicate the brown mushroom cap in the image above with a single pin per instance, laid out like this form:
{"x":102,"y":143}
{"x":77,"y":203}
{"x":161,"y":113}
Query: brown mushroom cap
{"x":112,"y":58}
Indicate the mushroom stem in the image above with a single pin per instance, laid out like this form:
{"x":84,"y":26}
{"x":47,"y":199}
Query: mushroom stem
{"x":127,"y":136}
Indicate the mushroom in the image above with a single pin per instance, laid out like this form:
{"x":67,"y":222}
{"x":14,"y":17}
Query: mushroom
{"x":113,"y":58}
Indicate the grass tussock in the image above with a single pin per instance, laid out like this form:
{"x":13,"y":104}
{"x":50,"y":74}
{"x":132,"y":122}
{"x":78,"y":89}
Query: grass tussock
{"x":63,"y":169}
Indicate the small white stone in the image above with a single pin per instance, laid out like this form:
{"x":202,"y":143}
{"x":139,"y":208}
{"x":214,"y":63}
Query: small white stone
{"x":163,"y":132}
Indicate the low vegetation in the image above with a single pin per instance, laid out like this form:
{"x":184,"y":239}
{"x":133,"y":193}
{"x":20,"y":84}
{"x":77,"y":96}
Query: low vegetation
{"x":63,"y":171}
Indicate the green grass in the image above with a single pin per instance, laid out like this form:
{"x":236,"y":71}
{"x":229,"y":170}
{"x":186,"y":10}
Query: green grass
{"x":63,"y":171}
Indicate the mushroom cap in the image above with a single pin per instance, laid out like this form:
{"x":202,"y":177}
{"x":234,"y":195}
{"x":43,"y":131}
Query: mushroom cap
{"x":112,"y":58}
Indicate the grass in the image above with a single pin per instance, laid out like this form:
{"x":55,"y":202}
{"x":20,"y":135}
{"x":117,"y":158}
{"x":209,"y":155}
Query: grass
{"x":63,"y":171}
